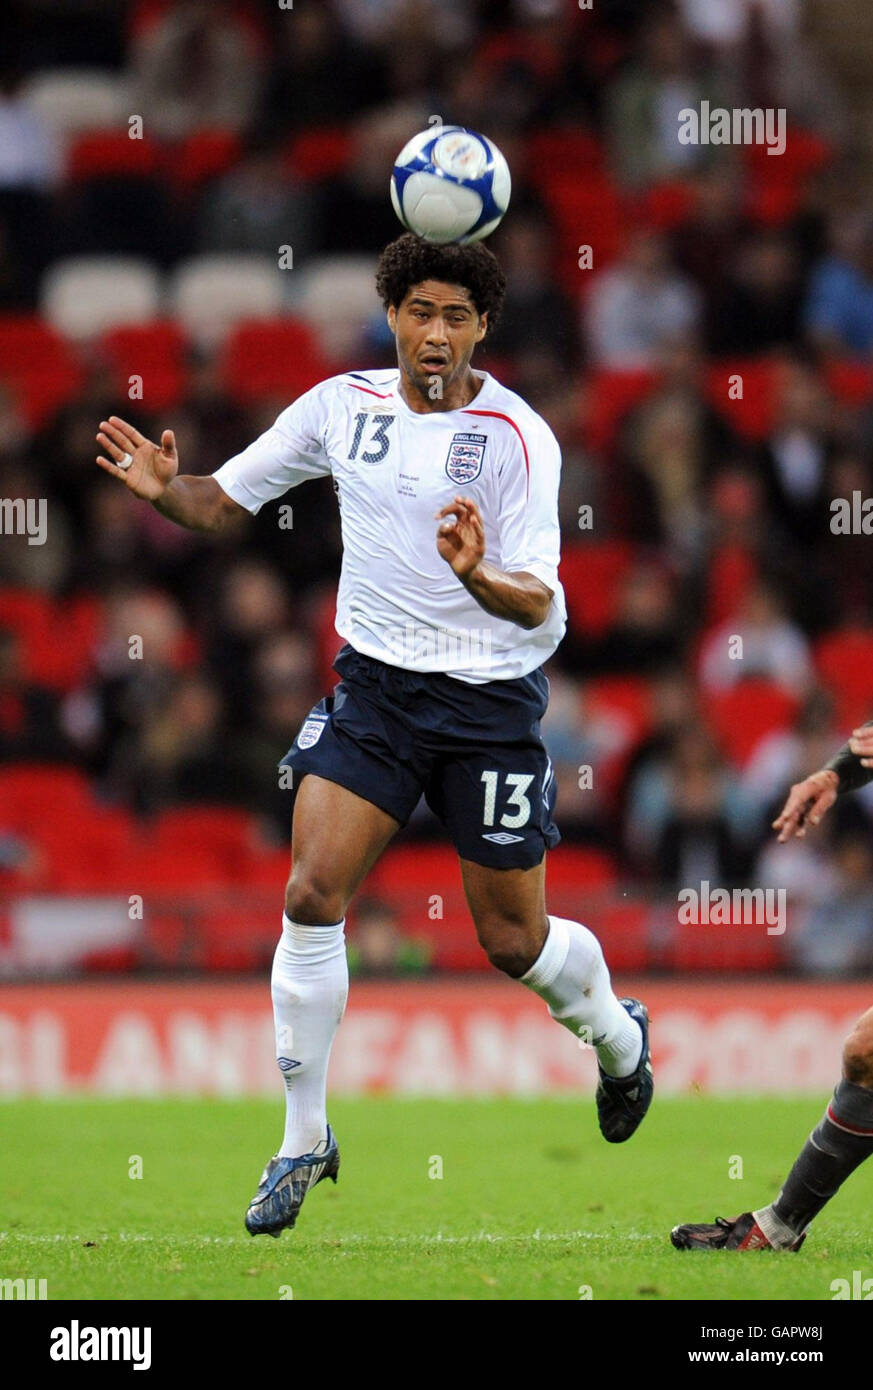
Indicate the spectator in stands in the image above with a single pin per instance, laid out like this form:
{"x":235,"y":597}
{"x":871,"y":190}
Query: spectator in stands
{"x":838,"y":313}
{"x":252,"y":607}
{"x":36,"y":553}
{"x":670,"y":445}
{"x":141,"y":648}
{"x":795,"y":456}
{"x":283,"y":692}
{"x":356,"y":214}
{"x":318,"y":78}
{"x":532,"y":296}
{"x":179,"y":753}
{"x":761,"y":303}
{"x":196,"y":65}
{"x":637,"y":305}
{"x":259,"y":206}
{"x":20,"y":860}
{"x":643,"y":107}
{"x":689,"y":820}
{"x":709,"y":235}
{"x":377,"y":947}
{"x":644,"y":637}
{"x":30,"y":171}
{"x":757,"y":642}
{"x":584,"y":744}
{"x":783,"y":756}
{"x":29,"y":722}
{"x":836,"y":938}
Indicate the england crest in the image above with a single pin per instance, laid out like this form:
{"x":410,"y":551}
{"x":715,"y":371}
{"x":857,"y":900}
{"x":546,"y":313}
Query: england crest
{"x":311,"y":732}
{"x":466,"y":452}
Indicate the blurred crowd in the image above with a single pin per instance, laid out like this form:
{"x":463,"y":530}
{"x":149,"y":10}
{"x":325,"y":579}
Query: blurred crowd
{"x":709,"y":512}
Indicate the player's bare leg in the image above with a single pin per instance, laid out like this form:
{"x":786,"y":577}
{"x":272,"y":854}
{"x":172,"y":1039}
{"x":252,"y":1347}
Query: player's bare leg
{"x":337,"y":837}
{"x":562,"y":962}
{"x":837,"y":1146}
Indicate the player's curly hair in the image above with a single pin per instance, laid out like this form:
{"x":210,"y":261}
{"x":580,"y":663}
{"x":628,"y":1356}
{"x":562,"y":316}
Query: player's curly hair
{"x":409,"y":260}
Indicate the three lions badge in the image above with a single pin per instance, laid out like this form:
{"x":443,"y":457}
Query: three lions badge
{"x":466,"y":452}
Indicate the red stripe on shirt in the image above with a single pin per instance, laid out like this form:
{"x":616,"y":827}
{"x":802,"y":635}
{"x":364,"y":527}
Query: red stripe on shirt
{"x":497,"y":415}
{"x":368,"y":391}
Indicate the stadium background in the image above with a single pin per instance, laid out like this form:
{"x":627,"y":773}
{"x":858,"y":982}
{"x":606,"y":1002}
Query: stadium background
{"x":205,"y":272}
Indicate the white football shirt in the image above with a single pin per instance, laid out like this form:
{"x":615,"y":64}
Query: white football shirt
{"x":392,"y":470}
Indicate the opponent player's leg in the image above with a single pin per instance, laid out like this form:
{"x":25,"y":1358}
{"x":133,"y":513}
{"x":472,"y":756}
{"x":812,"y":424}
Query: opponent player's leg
{"x":562,"y":962}
{"x":837,"y":1146}
{"x":337,"y":837}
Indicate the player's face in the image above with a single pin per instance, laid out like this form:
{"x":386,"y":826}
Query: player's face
{"x":437,"y":328}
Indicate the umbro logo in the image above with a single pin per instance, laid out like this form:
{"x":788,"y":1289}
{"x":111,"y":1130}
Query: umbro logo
{"x":287,"y":1063}
{"x":501,"y":837}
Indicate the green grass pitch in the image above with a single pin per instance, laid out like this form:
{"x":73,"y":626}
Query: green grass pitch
{"x":531,"y":1204}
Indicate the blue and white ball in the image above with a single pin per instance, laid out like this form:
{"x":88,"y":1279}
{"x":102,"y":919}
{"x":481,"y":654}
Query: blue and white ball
{"x":450,"y":184}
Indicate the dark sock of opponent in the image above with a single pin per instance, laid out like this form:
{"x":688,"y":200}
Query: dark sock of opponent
{"x":836,"y":1147}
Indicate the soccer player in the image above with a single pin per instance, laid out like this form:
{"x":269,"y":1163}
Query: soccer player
{"x":843,"y":1137}
{"x":449,"y":603}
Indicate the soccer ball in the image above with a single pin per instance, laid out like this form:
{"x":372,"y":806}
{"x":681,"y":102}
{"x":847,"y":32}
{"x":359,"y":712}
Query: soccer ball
{"x":450,"y":184}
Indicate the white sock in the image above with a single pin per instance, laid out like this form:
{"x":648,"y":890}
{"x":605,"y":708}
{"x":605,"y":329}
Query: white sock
{"x":571,"y":975}
{"x":310,"y":984}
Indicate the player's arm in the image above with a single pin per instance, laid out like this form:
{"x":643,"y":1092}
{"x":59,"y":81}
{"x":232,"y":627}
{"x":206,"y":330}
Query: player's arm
{"x":518,"y":597}
{"x":152,"y":472}
{"x":809,"y":800}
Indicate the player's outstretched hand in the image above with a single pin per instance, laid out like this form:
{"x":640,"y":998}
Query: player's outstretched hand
{"x":861,"y":744}
{"x":461,"y":541}
{"x":807,"y":803}
{"x":143,"y":467}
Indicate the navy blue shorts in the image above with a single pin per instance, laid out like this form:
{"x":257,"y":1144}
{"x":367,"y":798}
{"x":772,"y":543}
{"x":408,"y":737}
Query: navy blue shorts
{"x":473,"y":751}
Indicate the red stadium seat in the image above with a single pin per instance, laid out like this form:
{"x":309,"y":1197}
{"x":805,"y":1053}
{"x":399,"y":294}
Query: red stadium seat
{"x":236,"y":939}
{"x":751,"y":414}
{"x":223,"y":834}
{"x":327,"y":641}
{"x":710,"y":947}
{"x":773,"y":204}
{"x":845,"y":664}
{"x":587,"y":210}
{"x":609,"y":396}
{"x":271,"y":357}
{"x":57,"y":639}
{"x":623,"y":931}
{"x":35,"y":793}
{"x":416,"y":880}
{"x":202,"y":155}
{"x":562,"y":148}
{"x":579,"y":867}
{"x":741,"y":717}
{"x":110,"y":153}
{"x":849,"y":381}
{"x":667,"y":205}
{"x":630,"y":697}
{"x":733,"y":572}
{"x":318,"y":154}
{"x":39,"y":365}
{"x":804,"y":154}
{"x":153,"y":351}
{"x":592,"y":575}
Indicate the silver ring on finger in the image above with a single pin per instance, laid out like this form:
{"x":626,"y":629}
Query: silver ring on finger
{"x":125,"y":462}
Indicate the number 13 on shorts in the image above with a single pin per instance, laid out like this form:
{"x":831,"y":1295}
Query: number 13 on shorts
{"x":517,"y":784}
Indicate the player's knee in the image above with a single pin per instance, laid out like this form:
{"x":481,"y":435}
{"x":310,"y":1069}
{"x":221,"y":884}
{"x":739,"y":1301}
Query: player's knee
{"x":858,"y":1052}
{"x":308,"y":900}
{"x":510,"y":947}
